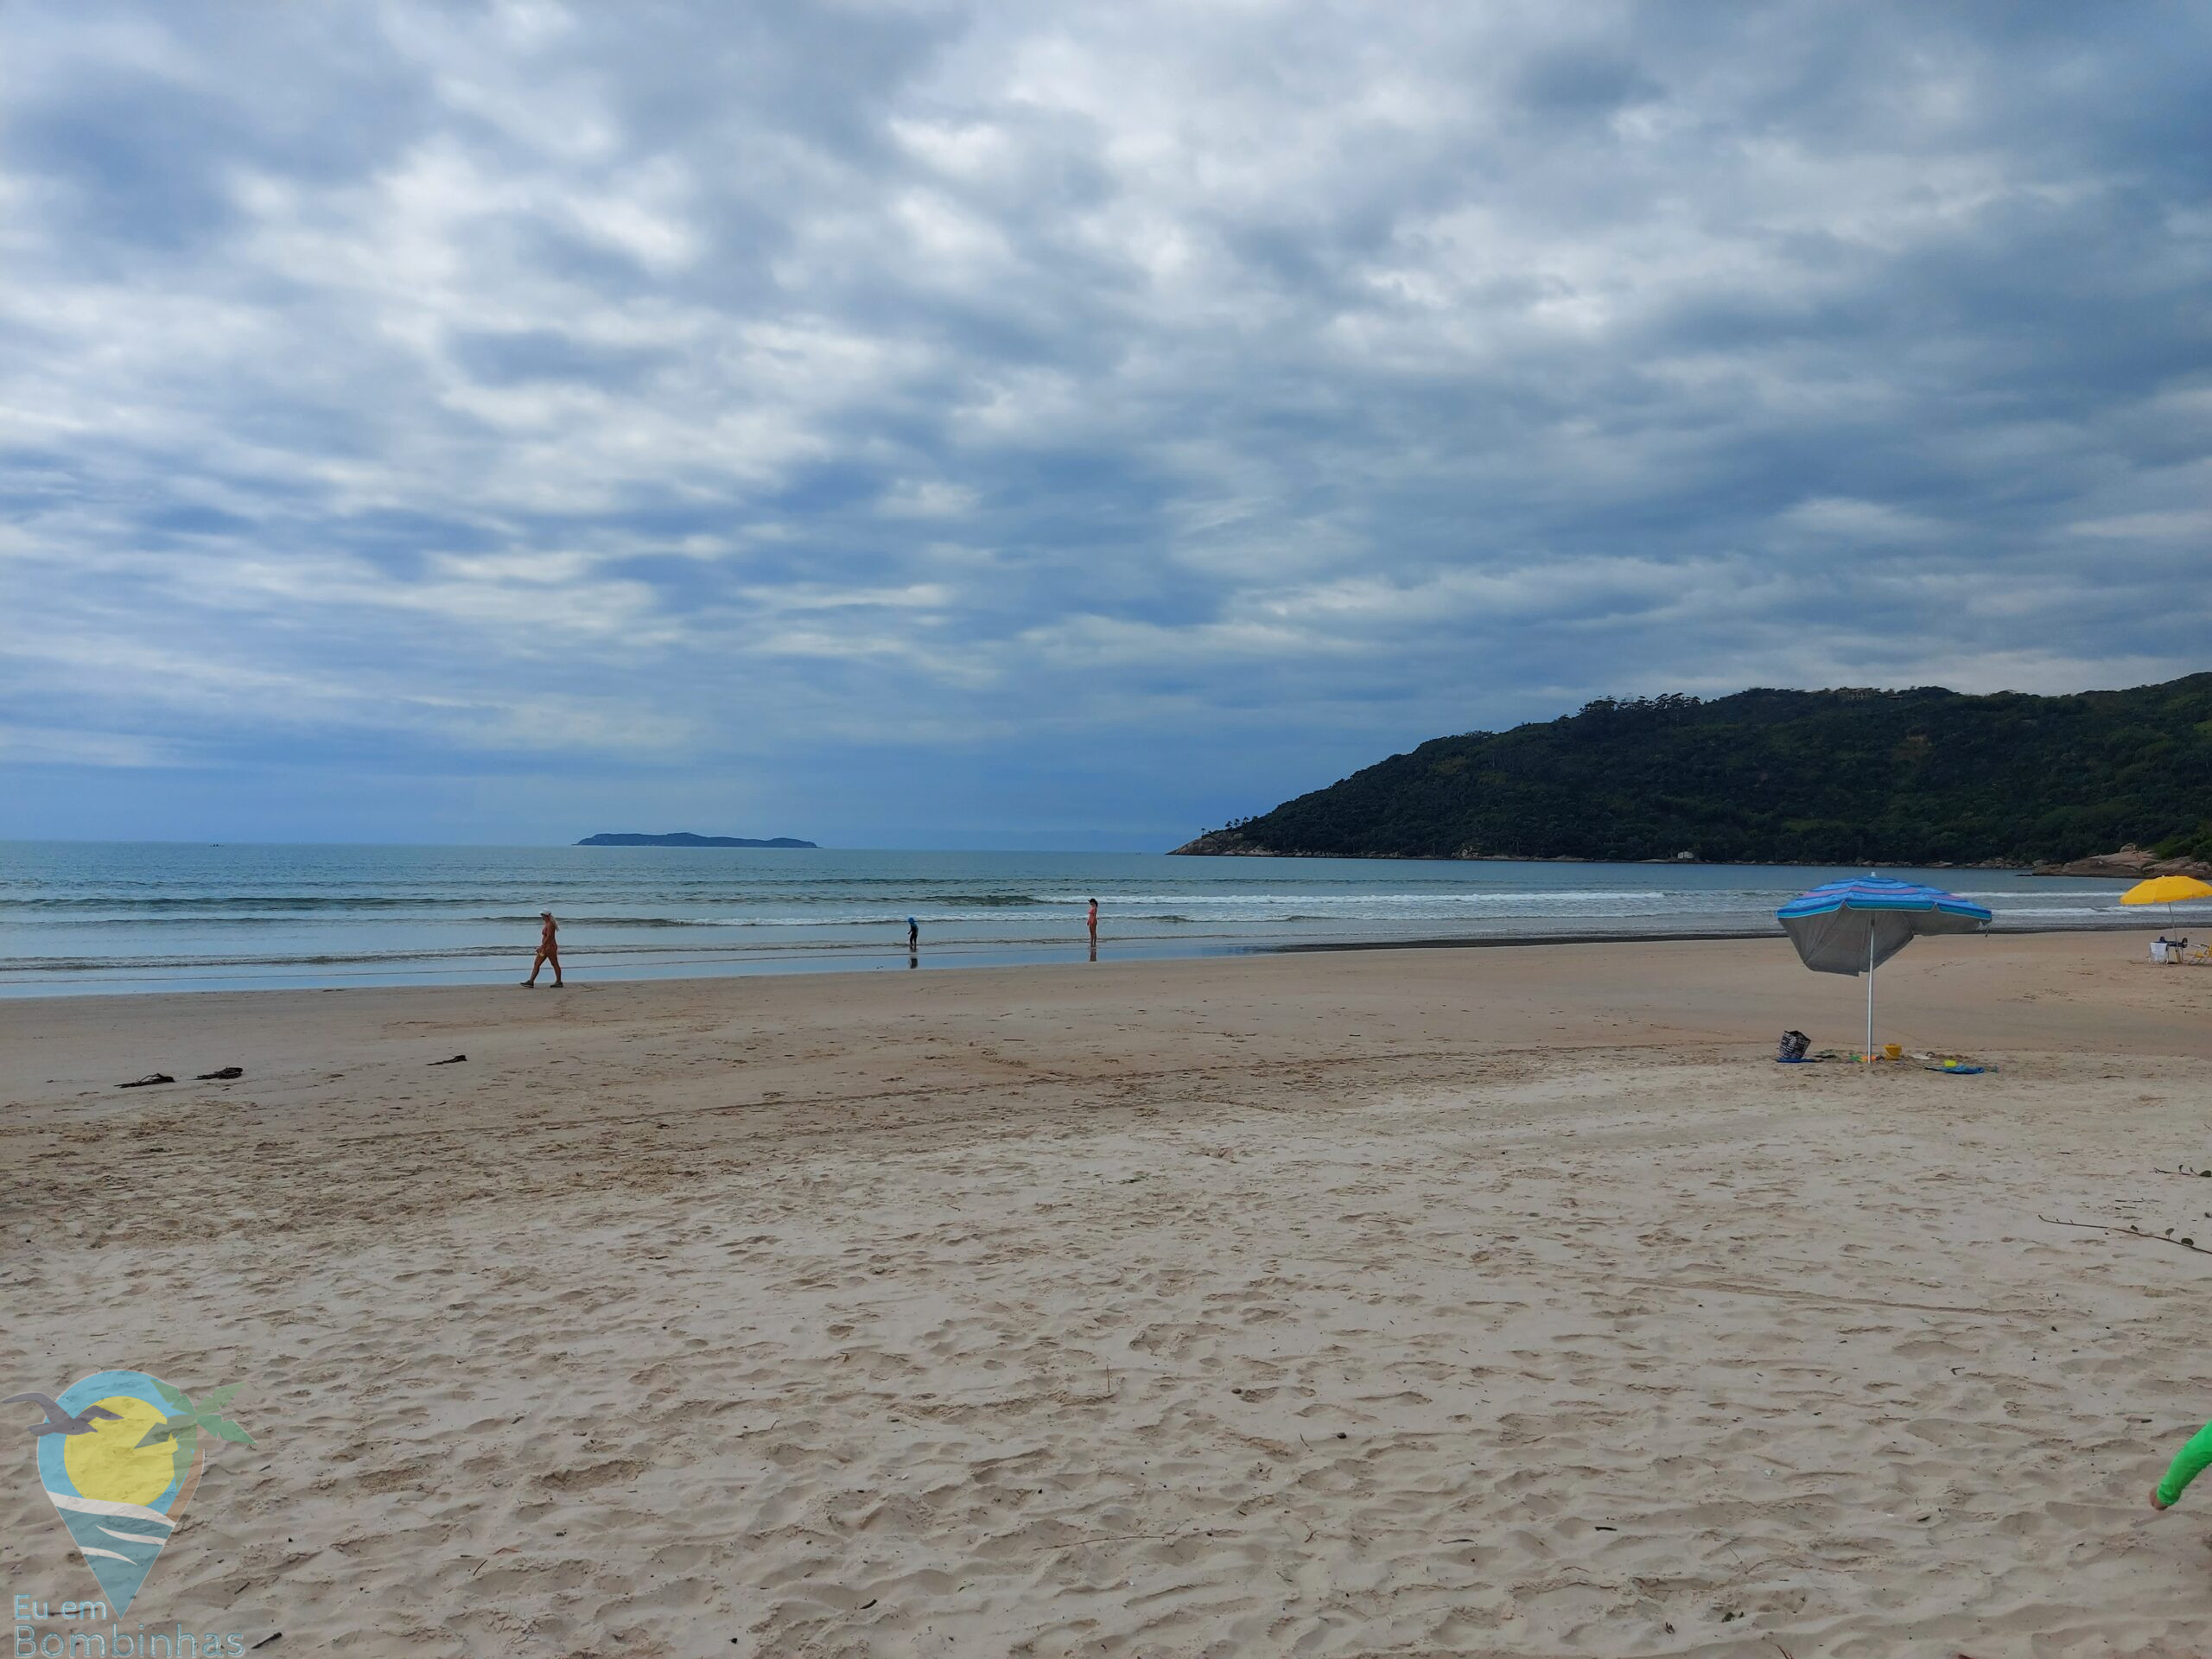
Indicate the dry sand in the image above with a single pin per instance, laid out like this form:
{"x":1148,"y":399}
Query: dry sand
{"x":1488,"y":1301}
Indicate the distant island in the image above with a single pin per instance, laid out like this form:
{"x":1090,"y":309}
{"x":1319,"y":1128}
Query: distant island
{"x":685,"y":838}
{"x":1926,"y":777}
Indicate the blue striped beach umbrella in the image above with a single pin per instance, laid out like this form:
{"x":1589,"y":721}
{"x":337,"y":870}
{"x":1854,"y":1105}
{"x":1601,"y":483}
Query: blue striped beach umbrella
{"x":1855,"y":926}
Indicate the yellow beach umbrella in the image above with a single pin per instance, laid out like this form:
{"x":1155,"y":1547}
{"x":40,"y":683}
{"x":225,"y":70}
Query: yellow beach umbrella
{"x":2167,"y":890}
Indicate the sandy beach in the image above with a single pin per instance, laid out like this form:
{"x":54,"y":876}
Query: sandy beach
{"x":1478,"y":1301}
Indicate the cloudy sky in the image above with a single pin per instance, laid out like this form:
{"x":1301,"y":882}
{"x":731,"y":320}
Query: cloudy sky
{"x":1054,"y":425}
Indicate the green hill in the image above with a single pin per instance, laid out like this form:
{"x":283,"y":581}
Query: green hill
{"x":1919,"y":777}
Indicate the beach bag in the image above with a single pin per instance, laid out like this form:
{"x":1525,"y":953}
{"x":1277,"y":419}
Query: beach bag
{"x":1792,"y":1047}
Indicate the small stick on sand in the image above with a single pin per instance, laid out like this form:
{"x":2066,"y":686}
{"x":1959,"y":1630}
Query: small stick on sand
{"x":2189,"y":1244}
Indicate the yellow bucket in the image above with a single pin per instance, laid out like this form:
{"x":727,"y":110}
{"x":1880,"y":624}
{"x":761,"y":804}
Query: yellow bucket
{"x":1892,"y":1052}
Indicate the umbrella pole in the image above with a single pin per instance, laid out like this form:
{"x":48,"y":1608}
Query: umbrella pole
{"x":1870,"y":997}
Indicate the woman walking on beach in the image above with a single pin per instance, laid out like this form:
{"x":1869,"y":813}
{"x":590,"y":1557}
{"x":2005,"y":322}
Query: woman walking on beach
{"x":549,"y":950}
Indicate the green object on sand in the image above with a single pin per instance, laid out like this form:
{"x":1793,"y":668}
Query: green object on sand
{"x":2188,"y":1463}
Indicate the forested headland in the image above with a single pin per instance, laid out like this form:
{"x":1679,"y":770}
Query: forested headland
{"x":1925,"y":776}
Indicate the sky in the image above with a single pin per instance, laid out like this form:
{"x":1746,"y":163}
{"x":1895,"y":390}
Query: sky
{"x":1056,"y":425}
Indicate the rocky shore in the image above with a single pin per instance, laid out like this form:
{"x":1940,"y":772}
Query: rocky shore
{"x":2130,"y":863}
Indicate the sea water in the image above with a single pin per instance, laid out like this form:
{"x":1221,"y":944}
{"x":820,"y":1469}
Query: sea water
{"x":138,"y":917}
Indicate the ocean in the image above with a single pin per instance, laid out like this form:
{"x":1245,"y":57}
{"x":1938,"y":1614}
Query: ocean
{"x":119,"y":917}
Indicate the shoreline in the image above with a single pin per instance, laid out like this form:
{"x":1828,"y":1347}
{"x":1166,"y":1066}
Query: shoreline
{"x":1681,"y":937}
{"x":1962,"y":989}
{"x":91,"y":921}
{"x":965,"y":958}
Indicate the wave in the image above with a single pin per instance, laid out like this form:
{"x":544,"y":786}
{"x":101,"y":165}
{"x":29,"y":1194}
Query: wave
{"x":2016,"y":893}
{"x":1295,"y":894}
{"x":288,"y":959}
{"x":857,"y":901}
{"x":247,"y":902}
{"x":584,"y":919}
{"x":518,"y":928}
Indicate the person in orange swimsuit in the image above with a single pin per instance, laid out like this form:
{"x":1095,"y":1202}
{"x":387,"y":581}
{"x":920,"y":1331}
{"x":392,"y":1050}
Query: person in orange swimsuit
{"x":549,"y":950}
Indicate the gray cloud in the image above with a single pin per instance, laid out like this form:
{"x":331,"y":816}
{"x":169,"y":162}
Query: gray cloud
{"x":937,"y":422}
